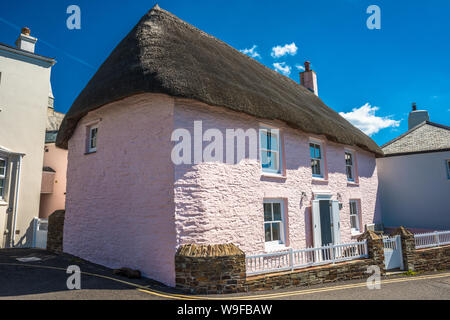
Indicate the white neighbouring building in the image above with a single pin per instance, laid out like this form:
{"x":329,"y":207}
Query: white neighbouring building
{"x":414,"y":176}
{"x":25,"y":94}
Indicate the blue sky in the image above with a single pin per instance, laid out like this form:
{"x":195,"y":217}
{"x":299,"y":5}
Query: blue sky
{"x":372,"y":76}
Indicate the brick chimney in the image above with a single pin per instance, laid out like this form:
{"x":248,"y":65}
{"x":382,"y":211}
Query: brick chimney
{"x":25,"y":41}
{"x":416,"y":117}
{"x":308,"y":79}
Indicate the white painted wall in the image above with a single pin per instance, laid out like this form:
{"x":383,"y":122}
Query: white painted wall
{"x":415,"y":191}
{"x":24,"y":90}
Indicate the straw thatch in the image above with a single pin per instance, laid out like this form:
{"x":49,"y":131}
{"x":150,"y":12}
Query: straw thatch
{"x":163,"y":54}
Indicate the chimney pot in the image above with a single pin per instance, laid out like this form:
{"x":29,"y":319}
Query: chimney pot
{"x":414,"y":107}
{"x":307,"y":65}
{"x":26,"y":31}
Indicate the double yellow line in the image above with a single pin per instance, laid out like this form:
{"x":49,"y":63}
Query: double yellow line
{"x":162,"y":294}
{"x":293,"y":293}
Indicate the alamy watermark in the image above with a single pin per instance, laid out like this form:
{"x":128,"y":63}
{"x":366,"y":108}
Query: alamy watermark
{"x":215,"y":146}
{"x":74,"y":280}
{"x":374,"y":20}
{"x":374,"y":280}
{"x":74,"y":20}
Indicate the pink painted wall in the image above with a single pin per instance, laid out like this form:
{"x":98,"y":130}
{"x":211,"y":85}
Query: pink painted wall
{"x":217,"y":203}
{"x":55,"y":158}
{"x":119,"y":208}
{"x":128,"y":205}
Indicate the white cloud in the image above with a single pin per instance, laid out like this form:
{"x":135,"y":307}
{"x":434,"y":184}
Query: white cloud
{"x":300,"y":67}
{"x":251,"y":52}
{"x":282,"y":67}
{"x":364,"y":118}
{"x":280,"y":51}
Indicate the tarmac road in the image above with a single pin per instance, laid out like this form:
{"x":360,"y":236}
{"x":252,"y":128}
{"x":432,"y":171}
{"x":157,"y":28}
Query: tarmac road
{"x":46,"y":280}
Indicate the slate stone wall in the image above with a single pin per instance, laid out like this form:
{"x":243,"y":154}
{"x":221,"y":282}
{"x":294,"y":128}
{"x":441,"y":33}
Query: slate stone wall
{"x":55,"y":231}
{"x":211,"y":269}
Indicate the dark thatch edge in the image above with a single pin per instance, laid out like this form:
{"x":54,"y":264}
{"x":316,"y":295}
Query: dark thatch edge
{"x":163,"y":54}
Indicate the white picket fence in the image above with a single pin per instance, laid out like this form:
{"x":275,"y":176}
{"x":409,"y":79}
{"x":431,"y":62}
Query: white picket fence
{"x":296,"y":259}
{"x":431,"y":239}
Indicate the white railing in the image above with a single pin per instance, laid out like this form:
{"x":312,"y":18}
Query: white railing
{"x":296,"y":259}
{"x":431,"y":239}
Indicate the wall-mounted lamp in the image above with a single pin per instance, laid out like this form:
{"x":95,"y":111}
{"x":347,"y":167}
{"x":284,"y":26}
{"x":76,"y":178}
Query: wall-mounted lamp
{"x":339,"y":197}
{"x":304,"y":196}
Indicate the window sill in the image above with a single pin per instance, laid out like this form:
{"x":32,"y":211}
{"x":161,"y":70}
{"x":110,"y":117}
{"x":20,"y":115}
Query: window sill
{"x":356,"y":233}
{"x":3,"y":203}
{"x":317,"y":179}
{"x":273,"y":175}
{"x":352,"y":183}
{"x":275,"y":248}
{"x":90,"y":152}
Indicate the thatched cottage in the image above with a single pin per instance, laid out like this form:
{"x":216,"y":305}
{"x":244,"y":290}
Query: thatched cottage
{"x":312,"y":182}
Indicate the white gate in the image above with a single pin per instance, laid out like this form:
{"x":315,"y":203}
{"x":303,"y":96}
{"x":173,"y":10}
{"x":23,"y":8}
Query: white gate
{"x":393,"y":257}
{"x":40,"y":227}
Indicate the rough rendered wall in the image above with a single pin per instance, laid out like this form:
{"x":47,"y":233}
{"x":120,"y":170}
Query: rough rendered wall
{"x":119,"y":208}
{"x":220,"y":203}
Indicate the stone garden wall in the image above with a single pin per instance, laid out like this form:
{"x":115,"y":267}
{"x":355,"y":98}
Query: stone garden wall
{"x":427,"y":259}
{"x":211,"y":269}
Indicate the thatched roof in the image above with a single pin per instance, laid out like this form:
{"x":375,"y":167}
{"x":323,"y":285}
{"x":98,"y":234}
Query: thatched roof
{"x":163,"y":54}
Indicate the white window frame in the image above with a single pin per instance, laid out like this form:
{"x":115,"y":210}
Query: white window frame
{"x":276,"y":131}
{"x":352,"y":166}
{"x":447,"y":165}
{"x":91,"y":128}
{"x":273,"y":245}
{"x":321,"y":159}
{"x":3,"y":178}
{"x":357,"y":215}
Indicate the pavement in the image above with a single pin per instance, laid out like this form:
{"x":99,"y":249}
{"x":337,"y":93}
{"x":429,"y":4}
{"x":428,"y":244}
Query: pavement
{"x":46,"y":279}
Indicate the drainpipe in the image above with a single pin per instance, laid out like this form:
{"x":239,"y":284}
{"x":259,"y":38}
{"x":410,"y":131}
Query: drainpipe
{"x":16,"y":202}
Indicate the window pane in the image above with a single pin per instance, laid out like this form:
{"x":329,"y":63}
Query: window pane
{"x":93,"y":137}
{"x":273,"y":141}
{"x":276,"y":211}
{"x":267,"y":212}
{"x":315,"y":166}
{"x":311,"y":150}
{"x":2,"y":187}
{"x":263,"y":139}
{"x":353,"y":222}
{"x":348,"y":159}
{"x":267,"y":232}
{"x":276,"y":235}
{"x":349,"y":173}
{"x":317,"y":153}
{"x":352,"y":208}
{"x":2,"y":167}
